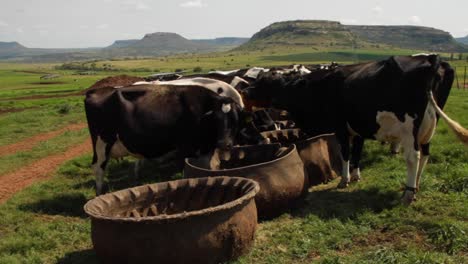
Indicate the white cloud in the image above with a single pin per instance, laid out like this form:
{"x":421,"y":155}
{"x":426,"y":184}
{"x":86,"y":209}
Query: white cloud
{"x":141,"y":6}
{"x":107,"y":1}
{"x":43,"y":32}
{"x":190,"y":4}
{"x":83,"y":27}
{"x":377,"y":9}
{"x":3,"y":24}
{"x":20,"y":30}
{"x":103,"y":26}
{"x":414,"y":20}
{"x":348,"y":21}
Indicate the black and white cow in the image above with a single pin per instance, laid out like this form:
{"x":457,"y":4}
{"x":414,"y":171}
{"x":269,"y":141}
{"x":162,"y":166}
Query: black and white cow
{"x":441,"y":92}
{"x":387,"y":100}
{"x":147,"y":121}
{"x":218,"y":86}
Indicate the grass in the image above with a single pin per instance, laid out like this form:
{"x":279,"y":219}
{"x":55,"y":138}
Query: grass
{"x":364,"y":223}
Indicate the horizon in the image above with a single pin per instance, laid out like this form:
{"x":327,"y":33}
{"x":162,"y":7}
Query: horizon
{"x":98,"y":23}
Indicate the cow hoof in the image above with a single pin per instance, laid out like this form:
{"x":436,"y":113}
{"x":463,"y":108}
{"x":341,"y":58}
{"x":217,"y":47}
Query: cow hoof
{"x":343,"y":184}
{"x":355,"y":179}
{"x":408,"y":197}
{"x":104,"y":189}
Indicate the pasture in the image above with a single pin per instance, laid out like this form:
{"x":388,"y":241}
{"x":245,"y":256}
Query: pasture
{"x":365,"y":223}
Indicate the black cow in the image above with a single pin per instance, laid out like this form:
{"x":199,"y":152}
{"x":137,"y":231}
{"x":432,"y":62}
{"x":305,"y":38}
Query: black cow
{"x":148,"y":121}
{"x":387,"y":100}
{"x":441,"y":93}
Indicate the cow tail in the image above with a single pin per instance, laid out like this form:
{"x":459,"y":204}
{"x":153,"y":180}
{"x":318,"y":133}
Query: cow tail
{"x":460,"y":132}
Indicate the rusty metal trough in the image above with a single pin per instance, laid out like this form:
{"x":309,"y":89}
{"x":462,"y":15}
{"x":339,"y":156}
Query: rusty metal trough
{"x":204,"y":220}
{"x":278,"y":170}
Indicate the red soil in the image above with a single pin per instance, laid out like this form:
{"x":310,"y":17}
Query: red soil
{"x":29,"y":143}
{"x":39,"y":170}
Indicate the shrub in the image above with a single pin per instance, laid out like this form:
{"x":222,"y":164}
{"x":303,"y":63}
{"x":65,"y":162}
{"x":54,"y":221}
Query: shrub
{"x":197,"y":69}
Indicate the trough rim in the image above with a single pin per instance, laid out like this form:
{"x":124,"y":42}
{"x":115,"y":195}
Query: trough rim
{"x":250,"y":195}
{"x":299,"y":140}
{"x":289,"y":151}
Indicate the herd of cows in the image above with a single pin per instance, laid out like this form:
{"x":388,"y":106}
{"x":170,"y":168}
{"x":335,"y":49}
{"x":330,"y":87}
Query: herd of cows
{"x":397,"y":100}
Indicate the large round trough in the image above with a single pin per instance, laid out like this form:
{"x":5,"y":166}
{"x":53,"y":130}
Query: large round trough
{"x":205,"y":220}
{"x":320,"y":154}
{"x":278,"y":170}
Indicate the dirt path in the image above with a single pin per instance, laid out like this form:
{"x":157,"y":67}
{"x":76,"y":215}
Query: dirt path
{"x":39,"y":170}
{"x":29,"y":143}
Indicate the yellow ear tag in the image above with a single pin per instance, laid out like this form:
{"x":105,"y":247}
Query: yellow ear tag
{"x":248,"y":119}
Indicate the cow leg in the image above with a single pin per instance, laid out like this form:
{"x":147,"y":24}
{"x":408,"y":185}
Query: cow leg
{"x":137,"y":167}
{"x":356,"y":153}
{"x":100,"y":159}
{"x":412,"y":156}
{"x":344,"y":143}
{"x":394,"y":148}
{"x":422,"y":162}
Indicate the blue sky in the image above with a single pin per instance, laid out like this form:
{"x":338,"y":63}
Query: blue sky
{"x":95,"y":23}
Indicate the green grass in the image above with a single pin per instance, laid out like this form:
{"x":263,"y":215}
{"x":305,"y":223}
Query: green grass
{"x":365,"y":223}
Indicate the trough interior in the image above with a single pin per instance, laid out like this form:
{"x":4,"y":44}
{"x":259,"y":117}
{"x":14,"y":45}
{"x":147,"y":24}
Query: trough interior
{"x":239,"y":157}
{"x":148,"y":201}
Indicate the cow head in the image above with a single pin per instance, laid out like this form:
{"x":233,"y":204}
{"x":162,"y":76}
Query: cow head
{"x":265,"y":89}
{"x":221,"y":124}
{"x":249,"y":134}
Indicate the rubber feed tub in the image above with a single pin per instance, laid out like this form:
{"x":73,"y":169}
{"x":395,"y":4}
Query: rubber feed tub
{"x":205,"y":220}
{"x":321,"y":154}
{"x":279,"y":172}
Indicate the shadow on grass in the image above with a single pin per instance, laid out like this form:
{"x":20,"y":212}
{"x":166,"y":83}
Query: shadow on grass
{"x":120,"y":175}
{"x":335,"y":204}
{"x":62,"y":204}
{"x":87,"y":256}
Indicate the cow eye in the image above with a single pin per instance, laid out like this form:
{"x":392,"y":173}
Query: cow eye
{"x":220,"y":90}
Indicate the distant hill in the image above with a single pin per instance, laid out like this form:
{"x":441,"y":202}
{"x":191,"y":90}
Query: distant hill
{"x":8,"y":49}
{"x":232,"y":41}
{"x":409,"y":37}
{"x":155,"y":44}
{"x":123,"y":43}
{"x":463,"y":40}
{"x":325,"y":34}
{"x":318,"y":33}
{"x":151,"y":45}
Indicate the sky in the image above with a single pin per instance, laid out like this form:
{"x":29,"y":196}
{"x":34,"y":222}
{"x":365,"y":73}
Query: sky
{"x":98,"y":23}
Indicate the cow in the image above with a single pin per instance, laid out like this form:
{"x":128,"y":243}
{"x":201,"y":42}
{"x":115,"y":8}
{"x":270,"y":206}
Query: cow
{"x":147,"y":121}
{"x":220,"y":87}
{"x":445,"y":74}
{"x":388,"y":100}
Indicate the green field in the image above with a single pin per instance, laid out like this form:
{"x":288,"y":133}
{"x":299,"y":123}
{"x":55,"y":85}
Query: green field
{"x":364,"y":223}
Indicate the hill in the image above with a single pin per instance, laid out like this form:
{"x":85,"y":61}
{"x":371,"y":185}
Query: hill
{"x":325,"y":34}
{"x":155,"y":44}
{"x":408,"y":37}
{"x":463,"y":40}
{"x":230,"y":41}
{"x":123,"y":43}
{"x":319,"y":33}
{"x":8,"y":49}
{"x":151,"y":45}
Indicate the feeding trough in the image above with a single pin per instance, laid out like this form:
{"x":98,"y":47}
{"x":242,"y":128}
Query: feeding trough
{"x":320,"y":154}
{"x":279,"y":172}
{"x":205,"y":220}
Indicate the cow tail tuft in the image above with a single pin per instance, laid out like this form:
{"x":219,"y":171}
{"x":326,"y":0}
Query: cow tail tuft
{"x":460,"y":132}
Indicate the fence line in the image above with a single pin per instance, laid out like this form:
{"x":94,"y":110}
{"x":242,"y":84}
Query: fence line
{"x":458,"y":80}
